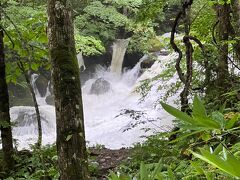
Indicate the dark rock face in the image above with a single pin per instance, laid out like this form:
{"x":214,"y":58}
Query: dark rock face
{"x":100,"y":86}
{"x":147,"y":63}
{"x":42,"y":84}
{"x":131,"y":59}
{"x":148,"y":60}
{"x":104,"y":60}
{"x":91,"y":62}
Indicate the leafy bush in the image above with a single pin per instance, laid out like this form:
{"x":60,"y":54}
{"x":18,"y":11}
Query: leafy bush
{"x":36,"y":164}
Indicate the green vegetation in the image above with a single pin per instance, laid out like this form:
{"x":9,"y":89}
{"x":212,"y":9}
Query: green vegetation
{"x":205,"y":38}
{"x":204,"y":147}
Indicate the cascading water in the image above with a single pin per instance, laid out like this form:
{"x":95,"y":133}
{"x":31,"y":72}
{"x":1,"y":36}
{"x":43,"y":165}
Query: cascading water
{"x":80,"y":61}
{"x":115,"y":118}
{"x":111,"y":118}
{"x":25,"y":129}
{"x":119,"y":50}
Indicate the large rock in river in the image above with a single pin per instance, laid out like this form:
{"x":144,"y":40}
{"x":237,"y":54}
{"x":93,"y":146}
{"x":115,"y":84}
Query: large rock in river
{"x":100,"y":86}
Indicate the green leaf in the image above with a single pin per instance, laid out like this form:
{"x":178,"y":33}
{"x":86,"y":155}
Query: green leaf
{"x":206,"y":123}
{"x":198,"y":108}
{"x":34,"y":66}
{"x":156,"y":170}
{"x":143,"y":172}
{"x":219,"y":118}
{"x":228,"y":164}
{"x":170,"y":173}
{"x":176,"y":113}
{"x":230,"y":123}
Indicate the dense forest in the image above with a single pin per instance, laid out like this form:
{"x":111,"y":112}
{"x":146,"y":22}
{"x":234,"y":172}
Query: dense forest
{"x":119,"y":89}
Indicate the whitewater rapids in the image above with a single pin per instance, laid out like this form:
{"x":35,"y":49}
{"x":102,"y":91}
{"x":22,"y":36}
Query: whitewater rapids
{"x":109,"y":118}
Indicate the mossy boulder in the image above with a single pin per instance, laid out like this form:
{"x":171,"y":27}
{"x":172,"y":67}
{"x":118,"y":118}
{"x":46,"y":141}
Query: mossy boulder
{"x":154,"y":45}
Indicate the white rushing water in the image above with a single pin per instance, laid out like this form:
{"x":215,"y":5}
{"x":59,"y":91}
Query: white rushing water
{"x":119,"y":50}
{"x":115,"y":118}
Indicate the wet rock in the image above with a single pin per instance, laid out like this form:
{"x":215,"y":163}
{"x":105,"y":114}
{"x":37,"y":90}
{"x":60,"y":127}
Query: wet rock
{"x":42,"y":84}
{"x":164,"y":53}
{"x":100,"y":86}
{"x":50,"y":100}
{"x":131,"y":59}
{"x":148,"y":61}
{"x":16,"y":101}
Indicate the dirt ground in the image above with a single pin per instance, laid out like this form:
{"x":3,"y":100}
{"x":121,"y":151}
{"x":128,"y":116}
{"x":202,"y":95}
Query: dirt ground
{"x":108,"y":159}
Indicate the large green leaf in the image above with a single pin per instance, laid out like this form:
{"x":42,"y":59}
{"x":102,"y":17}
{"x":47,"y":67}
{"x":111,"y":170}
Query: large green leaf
{"x":178,"y":114}
{"x":206,"y":123}
{"x":198,"y":108}
{"x":143,"y":172}
{"x":227,"y":163}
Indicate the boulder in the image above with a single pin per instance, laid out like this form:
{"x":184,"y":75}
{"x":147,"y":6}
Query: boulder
{"x":50,"y":100}
{"x":42,"y":84}
{"x":100,"y":86}
{"x":148,"y":60}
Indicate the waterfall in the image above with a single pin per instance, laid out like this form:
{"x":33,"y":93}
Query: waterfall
{"x":80,"y":61}
{"x":103,"y":122}
{"x":40,"y":100}
{"x":119,"y":50}
{"x":33,"y":84}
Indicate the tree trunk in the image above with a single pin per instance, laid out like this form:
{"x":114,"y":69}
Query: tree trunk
{"x":30,"y":86}
{"x":236,"y":25}
{"x":189,"y":60}
{"x":5,"y":126}
{"x":71,"y":148}
{"x":39,"y":141}
{"x":223,"y":12}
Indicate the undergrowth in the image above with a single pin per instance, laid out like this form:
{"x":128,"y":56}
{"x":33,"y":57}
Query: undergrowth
{"x":204,"y":146}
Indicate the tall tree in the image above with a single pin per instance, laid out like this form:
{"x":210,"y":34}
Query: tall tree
{"x":236,"y":25}
{"x":71,"y":148}
{"x":5,"y":126}
{"x":223,"y":13}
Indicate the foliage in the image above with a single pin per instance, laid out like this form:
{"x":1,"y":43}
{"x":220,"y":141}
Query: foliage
{"x":223,"y":160}
{"x":206,"y":143}
{"x":36,"y":164}
{"x":211,"y":127}
{"x":39,"y":164}
{"x":26,"y":38}
{"x":215,"y":134}
{"x":103,"y":21}
{"x":100,"y":21}
{"x":88,"y":45}
{"x":144,"y":39}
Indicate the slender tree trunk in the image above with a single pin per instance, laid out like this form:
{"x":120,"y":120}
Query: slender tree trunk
{"x":223,"y":12}
{"x":5,"y":126}
{"x":71,"y":148}
{"x":25,"y":73}
{"x":189,"y":59}
{"x":39,"y":141}
{"x":30,"y":86}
